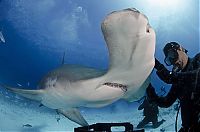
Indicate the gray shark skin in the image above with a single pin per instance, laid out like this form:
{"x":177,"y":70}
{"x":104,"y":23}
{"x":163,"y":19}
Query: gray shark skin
{"x":131,"y":44}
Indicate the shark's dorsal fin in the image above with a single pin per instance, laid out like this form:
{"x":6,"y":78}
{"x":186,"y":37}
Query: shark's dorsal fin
{"x":73,"y":114}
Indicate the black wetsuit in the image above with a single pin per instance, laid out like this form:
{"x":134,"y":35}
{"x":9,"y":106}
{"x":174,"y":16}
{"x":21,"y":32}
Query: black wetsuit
{"x":150,"y":112}
{"x":185,"y":87}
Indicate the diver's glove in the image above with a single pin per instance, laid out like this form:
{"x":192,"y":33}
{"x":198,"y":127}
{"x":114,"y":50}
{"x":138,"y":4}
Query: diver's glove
{"x":151,"y":94}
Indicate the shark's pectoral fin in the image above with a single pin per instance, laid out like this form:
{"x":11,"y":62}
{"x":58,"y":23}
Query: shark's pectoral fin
{"x":31,"y":94}
{"x":74,"y":115}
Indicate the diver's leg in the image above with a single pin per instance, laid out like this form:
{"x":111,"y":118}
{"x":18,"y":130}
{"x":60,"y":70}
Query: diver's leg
{"x":143,"y":122}
{"x":156,"y":123}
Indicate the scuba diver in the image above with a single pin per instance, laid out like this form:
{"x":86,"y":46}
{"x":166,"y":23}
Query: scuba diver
{"x":185,"y":80}
{"x":151,"y":114}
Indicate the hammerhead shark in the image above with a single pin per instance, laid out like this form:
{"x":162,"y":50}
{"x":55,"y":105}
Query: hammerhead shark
{"x":131,"y":43}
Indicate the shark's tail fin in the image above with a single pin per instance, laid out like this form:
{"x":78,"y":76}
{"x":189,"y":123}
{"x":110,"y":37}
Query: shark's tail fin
{"x":31,"y":94}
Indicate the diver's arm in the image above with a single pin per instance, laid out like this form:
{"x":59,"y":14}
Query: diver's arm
{"x":193,"y":75}
{"x":164,"y":74}
{"x":169,"y":99}
{"x":172,"y":78}
{"x":188,"y":76}
{"x":166,"y":101}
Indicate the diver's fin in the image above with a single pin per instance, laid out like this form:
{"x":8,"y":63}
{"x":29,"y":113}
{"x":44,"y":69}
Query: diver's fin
{"x":74,"y":115}
{"x":63,"y":59}
{"x":31,"y":94}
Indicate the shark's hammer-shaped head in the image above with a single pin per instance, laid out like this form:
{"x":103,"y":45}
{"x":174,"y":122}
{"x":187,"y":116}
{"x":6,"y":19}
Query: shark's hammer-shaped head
{"x":127,"y":22}
{"x":131,"y":43}
{"x":122,"y":31}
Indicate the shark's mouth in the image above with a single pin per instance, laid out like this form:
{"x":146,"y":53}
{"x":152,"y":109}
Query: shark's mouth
{"x":116,"y":85}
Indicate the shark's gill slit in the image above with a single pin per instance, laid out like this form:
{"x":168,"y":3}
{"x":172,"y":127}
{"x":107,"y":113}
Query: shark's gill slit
{"x":116,"y":85}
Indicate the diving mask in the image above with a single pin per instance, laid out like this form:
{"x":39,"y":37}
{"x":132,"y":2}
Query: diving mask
{"x":172,"y":57}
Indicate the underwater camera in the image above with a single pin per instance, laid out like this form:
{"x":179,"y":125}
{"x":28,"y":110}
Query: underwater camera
{"x":108,"y":127}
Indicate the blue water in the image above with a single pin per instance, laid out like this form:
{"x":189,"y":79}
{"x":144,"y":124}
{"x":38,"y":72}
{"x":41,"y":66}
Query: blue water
{"x":38,"y":32}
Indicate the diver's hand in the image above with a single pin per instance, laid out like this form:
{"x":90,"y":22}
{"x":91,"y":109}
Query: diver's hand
{"x":158,"y":66}
{"x":162,"y":72}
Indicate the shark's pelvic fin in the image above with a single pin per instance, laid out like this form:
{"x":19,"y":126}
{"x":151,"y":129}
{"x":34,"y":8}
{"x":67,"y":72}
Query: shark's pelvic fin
{"x":31,"y":94}
{"x":74,"y":114}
